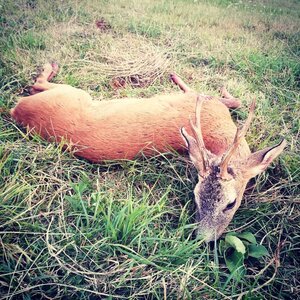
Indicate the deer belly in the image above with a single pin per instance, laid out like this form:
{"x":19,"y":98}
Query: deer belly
{"x":127,"y":137}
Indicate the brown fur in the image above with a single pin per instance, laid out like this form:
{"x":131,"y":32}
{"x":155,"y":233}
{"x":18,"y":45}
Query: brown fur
{"x":122,"y":128}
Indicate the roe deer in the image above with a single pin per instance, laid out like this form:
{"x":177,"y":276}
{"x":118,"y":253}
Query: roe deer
{"x":123,"y":128}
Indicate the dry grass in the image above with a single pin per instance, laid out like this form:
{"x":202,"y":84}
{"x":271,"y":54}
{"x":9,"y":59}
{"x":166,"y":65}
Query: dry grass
{"x":125,"y":229}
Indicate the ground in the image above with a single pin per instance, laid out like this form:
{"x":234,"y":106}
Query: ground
{"x":122,"y":230}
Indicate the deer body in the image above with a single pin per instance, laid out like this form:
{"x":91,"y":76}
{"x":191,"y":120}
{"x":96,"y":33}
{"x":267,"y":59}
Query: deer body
{"x":123,"y":128}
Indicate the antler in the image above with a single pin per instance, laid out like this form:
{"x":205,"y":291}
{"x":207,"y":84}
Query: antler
{"x":240,"y":133}
{"x":196,"y":128}
{"x":197,"y":151}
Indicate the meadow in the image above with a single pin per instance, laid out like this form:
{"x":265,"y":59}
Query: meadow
{"x":70,"y":229}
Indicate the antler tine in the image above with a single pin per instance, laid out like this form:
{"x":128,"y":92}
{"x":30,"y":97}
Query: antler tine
{"x":240,"y":133}
{"x":198,"y":134}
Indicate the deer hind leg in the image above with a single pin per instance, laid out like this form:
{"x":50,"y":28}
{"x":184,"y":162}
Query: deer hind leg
{"x":42,"y":81}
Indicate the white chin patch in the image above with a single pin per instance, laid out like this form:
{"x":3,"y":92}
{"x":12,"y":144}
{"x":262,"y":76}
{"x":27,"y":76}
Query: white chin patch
{"x":230,"y":193}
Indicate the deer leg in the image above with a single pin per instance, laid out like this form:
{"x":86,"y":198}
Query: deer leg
{"x":49,"y":71}
{"x":228,"y":99}
{"x":42,"y":81}
{"x":231,"y":103}
{"x":178,"y":81}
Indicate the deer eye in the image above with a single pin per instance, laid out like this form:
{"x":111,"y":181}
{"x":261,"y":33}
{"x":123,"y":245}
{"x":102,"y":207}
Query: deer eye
{"x":230,"y":205}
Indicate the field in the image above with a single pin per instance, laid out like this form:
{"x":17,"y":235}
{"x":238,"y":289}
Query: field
{"x":125,"y":230}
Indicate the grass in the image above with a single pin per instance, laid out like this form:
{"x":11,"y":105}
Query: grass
{"x":119,"y":230}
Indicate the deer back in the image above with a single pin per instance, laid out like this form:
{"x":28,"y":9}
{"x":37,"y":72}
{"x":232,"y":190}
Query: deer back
{"x":123,"y":128}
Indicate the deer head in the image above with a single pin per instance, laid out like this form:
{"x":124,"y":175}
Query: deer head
{"x":222,"y":179}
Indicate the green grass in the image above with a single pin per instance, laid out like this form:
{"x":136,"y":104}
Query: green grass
{"x":71,"y":229}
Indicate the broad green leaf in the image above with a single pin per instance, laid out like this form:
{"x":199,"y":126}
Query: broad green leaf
{"x":236,"y":243}
{"x":235,"y":263}
{"x":257,"y":251}
{"x":232,"y":233}
{"x":248,"y":236}
{"x":222,"y":246}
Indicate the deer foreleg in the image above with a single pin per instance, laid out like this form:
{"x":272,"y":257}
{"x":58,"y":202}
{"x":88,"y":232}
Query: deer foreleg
{"x":178,"y":81}
{"x":228,"y":99}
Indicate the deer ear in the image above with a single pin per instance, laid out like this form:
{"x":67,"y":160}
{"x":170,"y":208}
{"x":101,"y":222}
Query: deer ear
{"x":258,"y":161}
{"x":193,"y":150}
